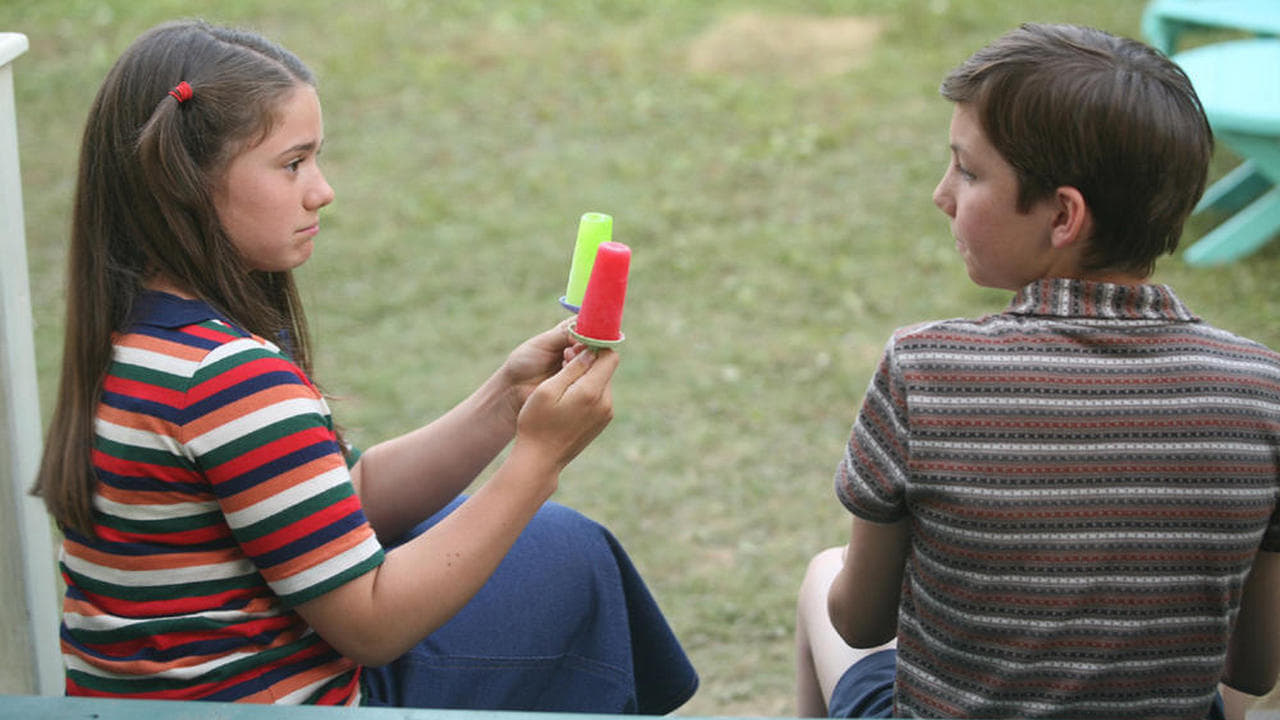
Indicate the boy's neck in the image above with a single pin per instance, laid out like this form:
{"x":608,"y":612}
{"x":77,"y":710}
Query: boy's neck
{"x":1115,"y":277}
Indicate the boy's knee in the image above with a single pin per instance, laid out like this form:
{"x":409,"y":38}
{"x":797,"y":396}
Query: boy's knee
{"x":827,"y":561}
{"x":821,"y":570}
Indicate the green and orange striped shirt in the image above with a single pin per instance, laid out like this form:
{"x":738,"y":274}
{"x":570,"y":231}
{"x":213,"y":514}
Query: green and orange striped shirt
{"x":223,"y":501}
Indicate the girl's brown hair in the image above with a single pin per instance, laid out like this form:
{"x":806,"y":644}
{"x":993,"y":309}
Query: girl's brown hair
{"x":1109,"y":116}
{"x":144,"y":208}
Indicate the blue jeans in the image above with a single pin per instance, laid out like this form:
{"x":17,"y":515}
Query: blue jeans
{"x":865,"y":690}
{"x":565,"y":624}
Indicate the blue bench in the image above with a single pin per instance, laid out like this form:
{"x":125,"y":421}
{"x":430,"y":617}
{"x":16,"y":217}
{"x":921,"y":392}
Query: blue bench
{"x":38,"y":707}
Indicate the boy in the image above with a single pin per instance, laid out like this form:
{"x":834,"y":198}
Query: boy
{"x":1068,"y":509}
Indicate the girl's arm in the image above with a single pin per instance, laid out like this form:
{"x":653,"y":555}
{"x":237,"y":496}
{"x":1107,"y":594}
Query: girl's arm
{"x":1253,"y":655}
{"x":404,"y":480}
{"x":421,"y":584}
{"x":863,"y":600}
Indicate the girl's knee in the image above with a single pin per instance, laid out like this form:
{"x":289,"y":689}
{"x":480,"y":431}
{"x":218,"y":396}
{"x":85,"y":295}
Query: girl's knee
{"x":557,"y":525}
{"x":563,"y":515}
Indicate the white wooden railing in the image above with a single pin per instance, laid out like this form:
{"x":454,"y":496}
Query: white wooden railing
{"x":28,"y":588}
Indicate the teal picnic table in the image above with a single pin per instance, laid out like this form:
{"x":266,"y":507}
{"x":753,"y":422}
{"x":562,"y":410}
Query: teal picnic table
{"x":1165,"y":21}
{"x":1238,"y":82}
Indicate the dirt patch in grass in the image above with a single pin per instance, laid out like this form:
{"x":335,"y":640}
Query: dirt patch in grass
{"x":796,"y":46}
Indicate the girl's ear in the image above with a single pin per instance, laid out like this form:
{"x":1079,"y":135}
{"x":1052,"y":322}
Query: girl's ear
{"x":1073,"y":222}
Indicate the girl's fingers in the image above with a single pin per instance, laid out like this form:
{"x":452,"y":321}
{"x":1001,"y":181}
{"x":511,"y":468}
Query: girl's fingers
{"x":594,"y":383}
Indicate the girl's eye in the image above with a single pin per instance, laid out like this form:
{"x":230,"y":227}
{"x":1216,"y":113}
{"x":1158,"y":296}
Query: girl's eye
{"x":963,"y":171}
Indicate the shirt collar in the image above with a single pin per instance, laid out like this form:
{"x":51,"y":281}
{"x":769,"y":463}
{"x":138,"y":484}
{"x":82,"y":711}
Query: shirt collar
{"x":1067,"y":297}
{"x":161,"y":309}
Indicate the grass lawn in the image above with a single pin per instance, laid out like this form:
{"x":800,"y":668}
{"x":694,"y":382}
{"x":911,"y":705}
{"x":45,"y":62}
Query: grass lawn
{"x":769,"y":163}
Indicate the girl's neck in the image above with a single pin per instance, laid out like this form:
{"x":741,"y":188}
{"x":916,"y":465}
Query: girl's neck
{"x":160,"y":283}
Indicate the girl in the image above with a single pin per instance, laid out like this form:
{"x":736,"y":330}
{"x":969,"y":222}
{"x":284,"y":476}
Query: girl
{"x":221,"y":541}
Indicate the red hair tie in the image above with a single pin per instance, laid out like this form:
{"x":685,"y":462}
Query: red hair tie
{"x":181,"y":92}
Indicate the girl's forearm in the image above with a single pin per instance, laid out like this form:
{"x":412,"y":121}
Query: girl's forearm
{"x":426,"y":581}
{"x":406,"y":479}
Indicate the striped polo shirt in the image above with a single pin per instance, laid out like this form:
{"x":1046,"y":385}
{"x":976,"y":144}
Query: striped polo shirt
{"x":1088,"y":477}
{"x":223,"y":501}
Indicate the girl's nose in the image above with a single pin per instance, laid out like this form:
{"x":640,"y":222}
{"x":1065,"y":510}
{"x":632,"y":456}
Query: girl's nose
{"x":943,"y":199}
{"x":320,"y":195}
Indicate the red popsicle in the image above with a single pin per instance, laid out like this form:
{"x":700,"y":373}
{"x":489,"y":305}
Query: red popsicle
{"x":601,"y":315}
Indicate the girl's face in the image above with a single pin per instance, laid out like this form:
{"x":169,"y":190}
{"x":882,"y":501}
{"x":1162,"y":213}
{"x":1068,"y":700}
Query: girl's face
{"x":1001,"y":247}
{"x":269,"y":196}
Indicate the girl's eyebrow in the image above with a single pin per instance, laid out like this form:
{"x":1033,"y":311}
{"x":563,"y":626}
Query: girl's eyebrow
{"x":303,"y":147}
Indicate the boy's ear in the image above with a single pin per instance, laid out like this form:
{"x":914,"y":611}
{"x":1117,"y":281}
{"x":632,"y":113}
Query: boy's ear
{"x":1073,"y":221}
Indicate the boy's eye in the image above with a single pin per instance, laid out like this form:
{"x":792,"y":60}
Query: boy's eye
{"x":293,"y":166}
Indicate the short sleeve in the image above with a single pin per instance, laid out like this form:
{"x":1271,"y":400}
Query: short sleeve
{"x":262,"y":435}
{"x":871,"y":478}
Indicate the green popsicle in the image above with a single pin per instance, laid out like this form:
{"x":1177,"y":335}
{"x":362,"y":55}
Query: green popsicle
{"x":593,"y":228}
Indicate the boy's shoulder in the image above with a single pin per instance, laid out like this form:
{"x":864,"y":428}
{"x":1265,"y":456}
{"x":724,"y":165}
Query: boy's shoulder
{"x":1234,"y":341}
{"x":1012,"y":330}
{"x":953,"y":329}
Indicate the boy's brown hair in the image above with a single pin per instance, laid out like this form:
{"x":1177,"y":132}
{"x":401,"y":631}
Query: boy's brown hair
{"x":1109,"y":116}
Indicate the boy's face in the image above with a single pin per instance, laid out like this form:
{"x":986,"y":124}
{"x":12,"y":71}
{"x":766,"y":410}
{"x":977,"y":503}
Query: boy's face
{"x":1001,"y":247}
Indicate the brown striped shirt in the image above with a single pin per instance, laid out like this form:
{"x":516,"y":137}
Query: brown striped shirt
{"x":1088,"y":476}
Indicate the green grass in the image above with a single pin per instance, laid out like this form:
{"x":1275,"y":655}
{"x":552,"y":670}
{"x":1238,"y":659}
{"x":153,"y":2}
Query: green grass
{"x":779,"y":215}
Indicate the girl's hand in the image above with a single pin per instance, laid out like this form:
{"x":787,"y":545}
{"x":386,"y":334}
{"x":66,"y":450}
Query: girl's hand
{"x":535,"y":360}
{"x":567,"y":411}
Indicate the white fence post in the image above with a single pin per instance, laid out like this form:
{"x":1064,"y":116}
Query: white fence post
{"x":28,"y":603}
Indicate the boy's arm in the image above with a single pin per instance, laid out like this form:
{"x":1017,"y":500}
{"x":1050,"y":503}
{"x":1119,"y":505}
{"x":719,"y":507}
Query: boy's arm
{"x":1253,"y":655}
{"x":863,"y":601}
